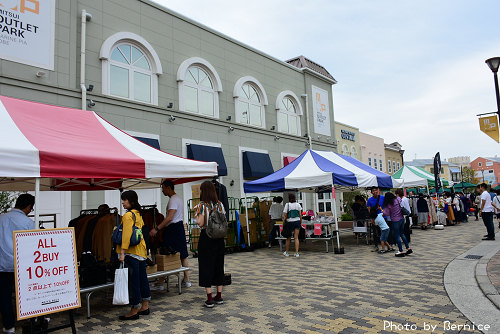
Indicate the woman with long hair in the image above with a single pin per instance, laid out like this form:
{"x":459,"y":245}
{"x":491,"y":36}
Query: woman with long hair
{"x":392,"y":205}
{"x":210,"y":251}
{"x":134,"y":257}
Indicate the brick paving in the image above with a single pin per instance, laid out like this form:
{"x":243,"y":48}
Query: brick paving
{"x":493,"y":270}
{"x":316,"y":293}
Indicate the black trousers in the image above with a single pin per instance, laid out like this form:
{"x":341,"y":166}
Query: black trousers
{"x":210,"y":261}
{"x":6,"y":305}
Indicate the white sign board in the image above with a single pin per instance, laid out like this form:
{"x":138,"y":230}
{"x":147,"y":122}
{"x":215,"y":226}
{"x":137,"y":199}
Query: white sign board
{"x":321,"y":111}
{"x":27,"y":32}
{"x":46,"y":271}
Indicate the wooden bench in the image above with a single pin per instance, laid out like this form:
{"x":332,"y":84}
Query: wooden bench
{"x":91,"y":289}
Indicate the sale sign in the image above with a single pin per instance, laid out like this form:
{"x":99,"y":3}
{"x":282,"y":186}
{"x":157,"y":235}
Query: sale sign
{"x":46,"y":271}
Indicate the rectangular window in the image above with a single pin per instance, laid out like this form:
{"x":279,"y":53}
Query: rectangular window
{"x":207,"y":103}
{"x":255,"y":115}
{"x":370,"y":162}
{"x":375,"y":163}
{"x":480,"y":164}
{"x":191,"y":99}
{"x":389,"y":167}
{"x":489,"y":163}
{"x":394,"y":165}
{"x":283,"y":122}
{"x":381,"y":165}
{"x":243,"y":112}
{"x":292,"y":125}
{"x":118,"y":81}
{"x":399,"y":166}
{"x":142,"y":87}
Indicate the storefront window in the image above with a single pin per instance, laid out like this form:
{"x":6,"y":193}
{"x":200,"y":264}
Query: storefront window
{"x":288,"y":119}
{"x":324,"y":202}
{"x":130,"y":74}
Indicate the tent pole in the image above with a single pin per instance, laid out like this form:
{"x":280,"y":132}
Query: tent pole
{"x":37,"y":198}
{"x":334,"y":204}
{"x":246,"y":217}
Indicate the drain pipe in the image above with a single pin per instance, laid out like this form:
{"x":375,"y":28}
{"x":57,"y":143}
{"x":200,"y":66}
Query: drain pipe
{"x":85,"y":17}
{"x":307,"y":120}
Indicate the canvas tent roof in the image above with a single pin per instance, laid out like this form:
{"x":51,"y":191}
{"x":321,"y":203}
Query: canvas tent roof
{"x":70,"y":149}
{"x":315,"y":169}
{"x":413,"y":176}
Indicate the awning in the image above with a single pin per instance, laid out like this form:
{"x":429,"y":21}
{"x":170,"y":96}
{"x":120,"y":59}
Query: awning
{"x":288,"y":160}
{"x":256,"y":165}
{"x":72,"y":149}
{"x":208,"y":153}
{"x":454,"y":170}
{"x":149,"y":141}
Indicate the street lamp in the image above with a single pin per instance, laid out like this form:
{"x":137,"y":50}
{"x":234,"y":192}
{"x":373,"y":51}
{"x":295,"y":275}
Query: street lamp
{"x":493,"y":64}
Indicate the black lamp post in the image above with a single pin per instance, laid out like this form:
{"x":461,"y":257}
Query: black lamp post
{"x":493,"y":64}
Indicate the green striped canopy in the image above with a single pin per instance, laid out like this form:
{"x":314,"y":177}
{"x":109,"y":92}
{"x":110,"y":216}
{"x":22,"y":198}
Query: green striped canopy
{"x":415,"y":174}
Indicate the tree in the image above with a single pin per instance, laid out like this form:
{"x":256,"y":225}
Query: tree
{"x":468,"y":175}
{"x":6,"y":200}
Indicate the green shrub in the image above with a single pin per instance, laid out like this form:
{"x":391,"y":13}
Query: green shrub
{"x":346,"y":217}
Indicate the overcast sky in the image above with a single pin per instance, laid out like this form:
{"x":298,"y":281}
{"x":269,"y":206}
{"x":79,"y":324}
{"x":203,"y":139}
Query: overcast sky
{"x":407,"y":71}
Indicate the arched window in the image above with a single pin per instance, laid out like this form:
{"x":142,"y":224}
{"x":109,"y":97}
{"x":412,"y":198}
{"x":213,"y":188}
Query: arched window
{"x":199,"y":85}
{"x":289,"y":112}
{"x":345,"y":150}
{"x":250,"y":99}
{"x":130,"y":68}
{"x":354,"y":153}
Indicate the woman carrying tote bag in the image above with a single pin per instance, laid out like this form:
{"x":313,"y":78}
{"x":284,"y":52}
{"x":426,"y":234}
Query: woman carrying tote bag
{"x":134,"y":258}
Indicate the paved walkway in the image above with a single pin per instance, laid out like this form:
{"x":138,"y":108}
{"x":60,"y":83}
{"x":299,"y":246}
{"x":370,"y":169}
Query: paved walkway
{"x":493,"y":270}
{"x":357,"y":292}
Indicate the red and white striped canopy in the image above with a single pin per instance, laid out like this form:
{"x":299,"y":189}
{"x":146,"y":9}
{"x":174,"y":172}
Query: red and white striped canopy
{"x":73,"y":149}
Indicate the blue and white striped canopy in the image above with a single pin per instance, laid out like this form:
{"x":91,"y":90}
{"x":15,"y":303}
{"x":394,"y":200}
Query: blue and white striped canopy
{"x":318,"y":169}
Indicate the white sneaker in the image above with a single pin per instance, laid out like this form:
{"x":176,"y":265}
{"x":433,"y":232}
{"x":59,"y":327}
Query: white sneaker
{"x":186,"y":284}
{"x":286,"y":254}
{"x":296,"y":255}
{"x":10,"y":330}
{"x":157,"y":287}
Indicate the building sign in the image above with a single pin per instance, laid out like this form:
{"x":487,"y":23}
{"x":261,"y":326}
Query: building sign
{"x":46,"y":271}
{"x":347,"y":135}
{"x":321,"y":111}
{"x":27,"y":32}
{"x":489,"y":125}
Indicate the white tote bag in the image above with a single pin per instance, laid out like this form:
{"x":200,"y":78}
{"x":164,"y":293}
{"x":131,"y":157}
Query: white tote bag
{"x":120,"y":296}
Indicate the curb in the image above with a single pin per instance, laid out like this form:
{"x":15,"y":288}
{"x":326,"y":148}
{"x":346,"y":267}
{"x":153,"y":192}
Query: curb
{"x":484,"y":281}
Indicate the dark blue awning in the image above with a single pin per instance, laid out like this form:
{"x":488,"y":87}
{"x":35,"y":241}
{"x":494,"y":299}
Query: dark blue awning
{"x":149,"y":141}
{"x":208,"y":153}
{"x":256,"y":165}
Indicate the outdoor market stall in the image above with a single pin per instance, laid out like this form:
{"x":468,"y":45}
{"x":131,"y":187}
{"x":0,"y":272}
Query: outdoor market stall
{"x":320,"y":171}
{"x":44,"y":147}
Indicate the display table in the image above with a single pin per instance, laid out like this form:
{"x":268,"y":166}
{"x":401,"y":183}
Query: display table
{"x":314,"y":231}
{"x":91,"y":289}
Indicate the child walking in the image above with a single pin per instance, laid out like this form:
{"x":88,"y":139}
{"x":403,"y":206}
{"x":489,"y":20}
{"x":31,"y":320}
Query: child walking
{"x":378,"y":219}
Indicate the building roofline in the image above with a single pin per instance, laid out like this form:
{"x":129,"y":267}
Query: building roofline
{"x":228,"y":38}
{"x":346,"y":125}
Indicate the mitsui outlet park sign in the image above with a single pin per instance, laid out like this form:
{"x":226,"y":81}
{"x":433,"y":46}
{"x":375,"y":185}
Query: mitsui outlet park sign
{"x":27,"y":32}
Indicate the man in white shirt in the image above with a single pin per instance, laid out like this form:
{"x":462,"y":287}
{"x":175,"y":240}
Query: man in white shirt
{"x":14,"y":220}
{"x":275,"y":214}
{"x":174,"y":236}
{"x":486,"y":211}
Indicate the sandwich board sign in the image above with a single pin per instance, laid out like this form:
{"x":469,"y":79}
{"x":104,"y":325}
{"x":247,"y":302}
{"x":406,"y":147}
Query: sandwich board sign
{"x":46,"y":272}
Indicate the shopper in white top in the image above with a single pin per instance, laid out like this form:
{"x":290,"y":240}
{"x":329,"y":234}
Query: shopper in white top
{"x":486,"y":211}
{"x":292,"y":218}
{"x":174,"y":235}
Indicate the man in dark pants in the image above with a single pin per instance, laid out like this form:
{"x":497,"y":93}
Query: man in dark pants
{"x":376,"y":202}
{"x":486,"y":211}
{"x":14,"y":220}
{"x":174,"y":236}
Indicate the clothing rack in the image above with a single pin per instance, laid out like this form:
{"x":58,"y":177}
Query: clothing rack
{"x":96,"y":211}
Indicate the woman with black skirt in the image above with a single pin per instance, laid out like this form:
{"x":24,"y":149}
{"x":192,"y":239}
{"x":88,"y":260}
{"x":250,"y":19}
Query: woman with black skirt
{"x":210,"y":251}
